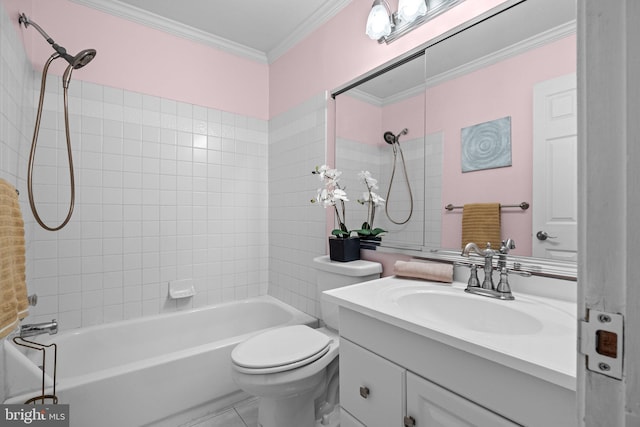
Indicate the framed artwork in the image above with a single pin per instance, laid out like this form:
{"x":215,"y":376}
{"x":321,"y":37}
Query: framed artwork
{"x":486,"y":145}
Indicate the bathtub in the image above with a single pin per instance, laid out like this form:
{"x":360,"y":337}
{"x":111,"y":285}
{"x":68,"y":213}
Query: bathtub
{"x":162,"y":370}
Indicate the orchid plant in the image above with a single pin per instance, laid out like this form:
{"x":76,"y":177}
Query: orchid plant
{"x":330,"y":195}
{"x":371,"y":200}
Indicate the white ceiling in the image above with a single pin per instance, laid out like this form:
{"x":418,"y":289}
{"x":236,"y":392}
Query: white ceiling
{"x":262,"y":29}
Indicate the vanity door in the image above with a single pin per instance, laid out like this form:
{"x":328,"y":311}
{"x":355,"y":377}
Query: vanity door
{"x":431,"y":405}
{"x":371,"y":387}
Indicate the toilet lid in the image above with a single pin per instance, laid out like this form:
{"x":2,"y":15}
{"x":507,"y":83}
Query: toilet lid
{"x":281,"y":349}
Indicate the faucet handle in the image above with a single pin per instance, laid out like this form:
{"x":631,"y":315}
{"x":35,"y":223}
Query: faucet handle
{"x":503,"y":288}
{"x":507,"y":245}
{"x":473,"y":277}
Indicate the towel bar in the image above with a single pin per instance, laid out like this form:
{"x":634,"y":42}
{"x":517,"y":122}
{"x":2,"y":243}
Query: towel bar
{"x":524,"y":206}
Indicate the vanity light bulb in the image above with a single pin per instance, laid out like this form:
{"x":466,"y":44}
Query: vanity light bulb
{"x":410,"y":10}
{"x":379,"y":22}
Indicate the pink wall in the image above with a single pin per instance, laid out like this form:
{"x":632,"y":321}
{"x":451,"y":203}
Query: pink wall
{"x":138,"y":58}
{"x":405,"y":114}
{"x":141,"y":59}
{"x":365,"y":123}
{"x":504,"y":89}
{"x":340,"y":51}
{"x":358,"y":121}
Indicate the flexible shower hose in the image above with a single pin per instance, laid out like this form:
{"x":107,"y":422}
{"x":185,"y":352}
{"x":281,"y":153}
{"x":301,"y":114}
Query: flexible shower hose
{"x":406,"y":176}
{"x":34,"y":144}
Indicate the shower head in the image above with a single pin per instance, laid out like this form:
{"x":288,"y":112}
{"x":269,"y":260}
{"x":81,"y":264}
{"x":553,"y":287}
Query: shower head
{"x":391,"y":139}
{"x":78,"y":61}
{"x":82,"y":58}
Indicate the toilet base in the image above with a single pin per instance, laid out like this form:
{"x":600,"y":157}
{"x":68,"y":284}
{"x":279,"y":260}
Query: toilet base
{"x":296,"y":411}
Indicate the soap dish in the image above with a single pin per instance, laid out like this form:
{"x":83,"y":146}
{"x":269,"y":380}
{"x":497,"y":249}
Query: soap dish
{"x":179,"y":289}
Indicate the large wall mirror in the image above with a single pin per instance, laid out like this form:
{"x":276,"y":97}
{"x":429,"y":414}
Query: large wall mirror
{"x":380,"y":128}
{"x":509,"y":78}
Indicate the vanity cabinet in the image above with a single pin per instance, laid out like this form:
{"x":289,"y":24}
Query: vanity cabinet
{"x":371,"y":387}
{"x":393,"y":377}
{"x":431,"y":405}
{"x":375,"y":392}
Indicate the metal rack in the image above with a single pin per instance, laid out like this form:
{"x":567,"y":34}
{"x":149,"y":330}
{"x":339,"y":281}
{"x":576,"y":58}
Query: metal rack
{"x":524,"y":206}
{"x":52,"y":398}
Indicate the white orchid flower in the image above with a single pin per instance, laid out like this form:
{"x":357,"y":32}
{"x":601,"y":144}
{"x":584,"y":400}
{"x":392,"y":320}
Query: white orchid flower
{"x":339,"y":194}
{"x":369,"y":181}
{"x":373,"y":198}
{"x":376,"y":199}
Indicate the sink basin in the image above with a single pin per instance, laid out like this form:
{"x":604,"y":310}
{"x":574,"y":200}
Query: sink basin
{"x":475,"y":312}
{"x":450,"y":307}
{"x":533,"y":334}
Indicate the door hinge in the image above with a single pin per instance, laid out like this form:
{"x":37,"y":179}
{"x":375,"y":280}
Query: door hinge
{"x":601,"y":340}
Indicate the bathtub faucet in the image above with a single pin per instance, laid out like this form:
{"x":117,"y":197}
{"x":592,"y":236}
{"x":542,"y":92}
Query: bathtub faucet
{"x":39,"y":328}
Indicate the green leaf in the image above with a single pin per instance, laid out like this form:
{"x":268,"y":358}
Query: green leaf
{"x":340,"y":233}
{"x":366,"y":226}
{"x":377,"y":231}
{"x":363,"y":232}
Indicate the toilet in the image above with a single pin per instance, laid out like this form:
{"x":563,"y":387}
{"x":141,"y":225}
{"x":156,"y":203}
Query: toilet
{"x":294,"y":369}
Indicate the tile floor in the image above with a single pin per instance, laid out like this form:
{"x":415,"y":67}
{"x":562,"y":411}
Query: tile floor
{"x":244,"y":414}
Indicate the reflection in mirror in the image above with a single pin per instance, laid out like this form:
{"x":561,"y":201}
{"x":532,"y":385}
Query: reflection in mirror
{"x":380,"y":129}
{"x":486,"y":72}
{"x":489,"y":73}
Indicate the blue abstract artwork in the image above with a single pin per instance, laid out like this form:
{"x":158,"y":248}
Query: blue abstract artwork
{"x":486,"y":145}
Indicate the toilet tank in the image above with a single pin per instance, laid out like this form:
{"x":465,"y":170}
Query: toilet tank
{"x":334,"y":274}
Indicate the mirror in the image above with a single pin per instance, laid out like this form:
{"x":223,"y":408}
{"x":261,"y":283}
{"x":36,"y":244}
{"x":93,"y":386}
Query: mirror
{"x":483,"y":75}
{"x":380,"y":129}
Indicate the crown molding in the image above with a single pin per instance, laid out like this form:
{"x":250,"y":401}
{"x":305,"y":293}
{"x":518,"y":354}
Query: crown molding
{"x":152,"y":20}
{"x":534,"y":42}
{"x":322,"y":15}
{"x":365,"y":97}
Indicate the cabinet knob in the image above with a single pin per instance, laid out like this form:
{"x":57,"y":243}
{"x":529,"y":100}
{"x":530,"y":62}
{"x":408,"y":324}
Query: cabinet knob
{"x":364,"y":392}
{"x":409,"y":421}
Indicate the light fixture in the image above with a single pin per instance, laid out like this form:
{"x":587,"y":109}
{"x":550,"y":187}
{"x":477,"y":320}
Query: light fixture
{"x":384,"y":26}
{"x":379,"y":22}
{"x":410,"y":10}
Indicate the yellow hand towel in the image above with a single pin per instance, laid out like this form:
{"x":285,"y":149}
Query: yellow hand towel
{"x":13,"y":287}
{"x":481,"y":224}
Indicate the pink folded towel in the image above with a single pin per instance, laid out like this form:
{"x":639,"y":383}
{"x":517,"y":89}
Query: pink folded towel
{"x":437,"y":272}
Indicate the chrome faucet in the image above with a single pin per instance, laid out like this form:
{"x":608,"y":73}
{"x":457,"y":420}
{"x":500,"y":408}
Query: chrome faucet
{"x":33,"y":329}
{"x":488,"y":288}
{"x":506,"y":246}
{"x":488,"y":254}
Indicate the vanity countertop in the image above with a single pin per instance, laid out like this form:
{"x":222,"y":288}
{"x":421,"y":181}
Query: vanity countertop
{"x":532,"y":334}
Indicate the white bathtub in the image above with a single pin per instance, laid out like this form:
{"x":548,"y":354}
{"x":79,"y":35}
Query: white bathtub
{"x":160,"y":370}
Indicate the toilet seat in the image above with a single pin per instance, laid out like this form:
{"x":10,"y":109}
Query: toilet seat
{"x":280,"y":350}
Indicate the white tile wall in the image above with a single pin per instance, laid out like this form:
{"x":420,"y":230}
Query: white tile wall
{"x":16,"y":105}
{"x":167,"y":190}
{"x":433,"y":203}
{"x":16,"y":116}
{"x":297,"y":232}
{"x":164,"y":190}
{"x":378,"y":159}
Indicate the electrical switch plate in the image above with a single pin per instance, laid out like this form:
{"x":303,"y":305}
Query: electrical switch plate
{"x":601,"y":339}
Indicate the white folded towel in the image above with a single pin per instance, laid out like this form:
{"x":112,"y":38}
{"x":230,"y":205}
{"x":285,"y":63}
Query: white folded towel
{"x":437,"y":272}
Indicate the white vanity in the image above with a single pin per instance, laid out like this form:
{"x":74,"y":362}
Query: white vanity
{"x":420,"y":353}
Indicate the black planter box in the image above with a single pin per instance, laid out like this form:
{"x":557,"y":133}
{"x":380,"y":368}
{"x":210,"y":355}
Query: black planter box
{"x":369,"y":242}
{"x":344,"y":249}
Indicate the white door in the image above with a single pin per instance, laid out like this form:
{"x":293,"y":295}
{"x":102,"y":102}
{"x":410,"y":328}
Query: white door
{"x":555,"y":173}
